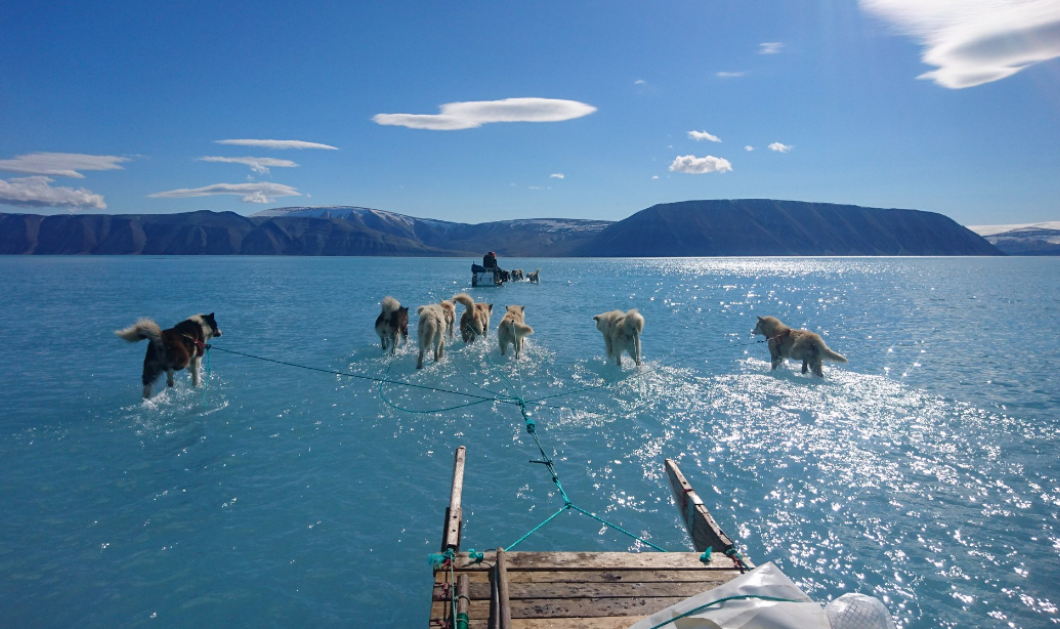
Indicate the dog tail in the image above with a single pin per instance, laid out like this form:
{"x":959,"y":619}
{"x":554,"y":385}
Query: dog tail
{"x":521,"y":329}
{"x":142,"y":329}
{"x":465,"y":299}
{"x":828,"y":354}
{"x":390,"y":304}
{"x":633,"y":323}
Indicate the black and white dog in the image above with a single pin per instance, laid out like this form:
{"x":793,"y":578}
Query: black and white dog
{"x":179,"y":347}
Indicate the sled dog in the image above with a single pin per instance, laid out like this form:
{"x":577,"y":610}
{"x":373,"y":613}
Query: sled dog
{"x":795,"y":344}
{"x":621,"y":332}
{"x":392,"y":324}
{"x":513,"y":329}
{"x":179,"y":347}
{"x":535,"y":277}
{"x":475,"y":321}
{"x":450,"y":316}
{"x":431,"y":331}
{"x":517,"y":275}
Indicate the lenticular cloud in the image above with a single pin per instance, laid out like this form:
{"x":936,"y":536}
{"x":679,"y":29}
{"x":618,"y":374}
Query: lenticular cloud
{"x":251,"y":192}
{"x":471,"y":114}
{"x":972,"y":42}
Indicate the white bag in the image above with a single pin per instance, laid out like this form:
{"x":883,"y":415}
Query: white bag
{"x":796,"y":611}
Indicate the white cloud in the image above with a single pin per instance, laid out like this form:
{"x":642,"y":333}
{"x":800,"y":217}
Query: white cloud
{"x":780,"y":148}
{"x":730,"y":75}
{"x":471,"y":114}
{"x":279,"y":144}
{"x":973,"y":42}
{"x":749,"y":148}
{"x":655,"y":176}
{"x":699,"y":165}
{"x":35,"y":192}
{"x":61,"y":164}
{"x":770,"y":48}
{"x":703,"y":135}
{"x":639,"y":82}
{"x":251,"y":192}
{"x":260,"y":165}
{"x":556,"y":176}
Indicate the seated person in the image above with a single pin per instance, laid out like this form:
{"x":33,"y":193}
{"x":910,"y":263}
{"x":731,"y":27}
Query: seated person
{"x":489,"y":260}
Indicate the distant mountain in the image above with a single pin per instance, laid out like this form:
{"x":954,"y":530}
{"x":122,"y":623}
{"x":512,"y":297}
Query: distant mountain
{"x":521,"y":237}
{"x":762,"y":227}
{"x":693,"y":228}
{"x":1035,"y":239}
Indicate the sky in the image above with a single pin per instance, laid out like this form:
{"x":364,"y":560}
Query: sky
{"x":479,"y":111}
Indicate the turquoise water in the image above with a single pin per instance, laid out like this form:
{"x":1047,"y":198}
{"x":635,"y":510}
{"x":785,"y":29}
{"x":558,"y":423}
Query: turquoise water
{"x":925,"y":471}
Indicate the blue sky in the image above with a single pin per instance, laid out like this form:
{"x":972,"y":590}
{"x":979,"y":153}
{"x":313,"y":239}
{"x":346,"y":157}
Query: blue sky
{"x":938,"y":105}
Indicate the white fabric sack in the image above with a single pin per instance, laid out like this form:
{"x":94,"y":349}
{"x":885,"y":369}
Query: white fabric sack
{"x":748,"y":613}
{"x":858,"y":611}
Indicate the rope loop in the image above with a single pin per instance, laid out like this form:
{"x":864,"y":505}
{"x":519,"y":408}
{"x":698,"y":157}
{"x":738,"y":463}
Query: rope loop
{"x":474,"y":556}
{"x":705,"y":557}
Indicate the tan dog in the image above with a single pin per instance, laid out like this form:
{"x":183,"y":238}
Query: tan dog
{"x":475,"y":321}
{"x":513,"y":329}
{"x":450,"y":316}
{"x":795,"y":344}
{"x":431,"y":331}
{"x":621,"y":332}
{"x":535,"y":277}
{"x":517,"y":275}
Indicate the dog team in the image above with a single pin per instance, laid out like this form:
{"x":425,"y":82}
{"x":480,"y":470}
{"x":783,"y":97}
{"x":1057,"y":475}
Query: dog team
{"x":183,"y":345}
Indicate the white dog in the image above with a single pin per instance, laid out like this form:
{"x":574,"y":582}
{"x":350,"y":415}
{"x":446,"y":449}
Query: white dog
{"x":513,"y":329}
{"x":621,"y":332}
{"x":431,"y":331}
{"x":803,"y":345}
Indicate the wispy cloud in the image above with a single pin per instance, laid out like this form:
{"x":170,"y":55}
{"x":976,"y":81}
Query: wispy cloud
{"x":279,"y":144}
{"x":251,"y":192}
{"x":730,"y":75}
{"x":700,"y":165}
{"x":749,"y":148}
{"x":60,"y":164}
{"x":556,"y":176}
{"x":639,"y":82}
{"x":703,"y":135}
{"x":259,"y":165}
{"x":770,"y":47}
{"x":973,"y":42}
{"x":655,"y":176}
{"x":35,"y":192}
{"x":780,"y":148}
{"x":471,"y":114}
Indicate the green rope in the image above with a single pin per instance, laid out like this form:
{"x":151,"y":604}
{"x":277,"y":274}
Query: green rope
{"x":617,"y":528}
{"x":706,"y":556}
{"x":729,"y":598}
{"x":536,"y":528}
{"x":361,"y":376}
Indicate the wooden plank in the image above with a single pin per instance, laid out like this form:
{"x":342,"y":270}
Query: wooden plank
{"x":568,"y":607}
{"x":619,"y":622}
{"x":463,"y":590}
{"x":518,"y":591}
{"x":702,"y":528}
{"x":596,"y":561}
{"x":697,"y":575}
{"x":503,"y":591}
{"x":454,"y":514}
